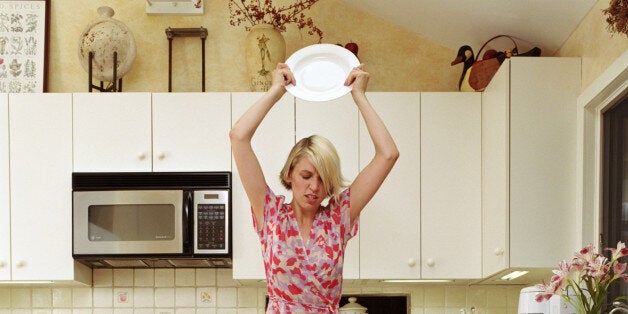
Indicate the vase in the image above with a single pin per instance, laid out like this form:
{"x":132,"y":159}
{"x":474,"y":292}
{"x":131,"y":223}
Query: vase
{"x":264,"y":48}
{"x":104,"y":36}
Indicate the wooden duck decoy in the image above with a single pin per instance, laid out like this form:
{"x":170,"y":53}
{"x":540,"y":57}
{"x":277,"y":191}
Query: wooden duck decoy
{"x":476,"y":74}
{"x":465,"y":55}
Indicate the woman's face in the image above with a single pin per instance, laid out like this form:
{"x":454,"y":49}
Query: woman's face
{"x":308,"y":191}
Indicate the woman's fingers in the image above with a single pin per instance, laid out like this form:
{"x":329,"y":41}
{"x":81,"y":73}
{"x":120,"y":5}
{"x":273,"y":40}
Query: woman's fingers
{"x":287,"y":74}
{"x":284,"y":75}
{"x":358,"y":78}
{"x":355,"y":73}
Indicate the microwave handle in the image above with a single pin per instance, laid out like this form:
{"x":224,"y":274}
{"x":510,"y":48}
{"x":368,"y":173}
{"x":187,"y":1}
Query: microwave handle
{"x":188,"y":220}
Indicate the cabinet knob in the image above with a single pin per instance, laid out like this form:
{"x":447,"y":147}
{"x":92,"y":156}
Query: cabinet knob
{"x":498,"y":251}
{"x":141,"y":156}
{"x":411,"y":262}
{"x":20,"y":264}
{"x":2,"y":264}
{"x":161,"y":156}
{"x":430,"y":262}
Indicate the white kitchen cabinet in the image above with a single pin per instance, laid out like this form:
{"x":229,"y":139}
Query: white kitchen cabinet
{"x":495,"y":187}
{"x":191,"y":131}
{"x":389,"y":224}
{"x":529,"y":156}
{"x":5,"y":213}
{"x":143,"y":132}
{"x":451,"y":225}
{"x":272,"y":142}
{"x":337,"y":120}
{"x":40,"y":154}
{"x":112,"y":132}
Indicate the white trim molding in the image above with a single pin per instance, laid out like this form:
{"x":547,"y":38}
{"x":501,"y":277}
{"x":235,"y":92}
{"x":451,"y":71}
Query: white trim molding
{"x":610,"y":87}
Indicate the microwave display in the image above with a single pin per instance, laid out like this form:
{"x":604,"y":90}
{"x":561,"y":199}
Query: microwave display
{"x":131,"y":222}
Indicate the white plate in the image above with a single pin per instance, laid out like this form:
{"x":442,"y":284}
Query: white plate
{"x":320,"y":71}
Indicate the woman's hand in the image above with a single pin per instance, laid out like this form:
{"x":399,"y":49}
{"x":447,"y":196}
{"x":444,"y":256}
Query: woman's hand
{"x":282,"y":76}
{"x":359,"y":78}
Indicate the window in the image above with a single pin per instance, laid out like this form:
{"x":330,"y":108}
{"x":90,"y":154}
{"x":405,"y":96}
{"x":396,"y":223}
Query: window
{"x":615,"y":183}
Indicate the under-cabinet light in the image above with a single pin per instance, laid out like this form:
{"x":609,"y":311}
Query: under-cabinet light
{"x":514,"y":274}
{"x":417,"y":280}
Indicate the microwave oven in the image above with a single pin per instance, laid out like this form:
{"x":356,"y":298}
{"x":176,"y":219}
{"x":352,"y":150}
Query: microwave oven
{"x":160,"y":219}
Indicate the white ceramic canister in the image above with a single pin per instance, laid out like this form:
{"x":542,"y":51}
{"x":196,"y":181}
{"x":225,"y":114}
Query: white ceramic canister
{"x":528,"y":304}
{"x":352,"y":307}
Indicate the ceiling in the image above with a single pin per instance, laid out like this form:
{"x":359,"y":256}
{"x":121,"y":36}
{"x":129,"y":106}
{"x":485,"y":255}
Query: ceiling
{"x":453,"y":23}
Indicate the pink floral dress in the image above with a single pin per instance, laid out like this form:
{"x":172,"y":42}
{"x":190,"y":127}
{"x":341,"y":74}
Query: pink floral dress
{"x":304,"y":277}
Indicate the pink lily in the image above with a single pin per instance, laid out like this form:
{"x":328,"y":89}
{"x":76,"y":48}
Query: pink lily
{"x":585,"y":252}
{"x":598,"y":267}
{"x":618,"y":252}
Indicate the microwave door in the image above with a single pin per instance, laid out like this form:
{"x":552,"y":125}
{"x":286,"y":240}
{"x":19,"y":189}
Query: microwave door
{"x":128,"y":222}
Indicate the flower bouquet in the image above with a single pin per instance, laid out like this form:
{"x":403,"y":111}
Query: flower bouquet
{"x":584,"y":281}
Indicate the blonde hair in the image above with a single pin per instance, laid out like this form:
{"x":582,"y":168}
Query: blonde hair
{"x":322,"y":154}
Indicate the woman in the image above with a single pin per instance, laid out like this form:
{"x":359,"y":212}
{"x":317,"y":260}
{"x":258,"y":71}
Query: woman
{"x":303,"y":242}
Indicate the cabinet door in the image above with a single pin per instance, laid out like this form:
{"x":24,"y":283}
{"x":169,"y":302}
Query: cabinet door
{"x":389,"y":225}
{"x":112,"y":132}
{"x":272,"y":142}
{"x":191,"y":132}
{"x":41,"y":184}
{"x":542,"y":160}
{"x":495,"y":180}
{"x":450,"y":185}
{"x":337,"y":120}
{"x":5,"y":213}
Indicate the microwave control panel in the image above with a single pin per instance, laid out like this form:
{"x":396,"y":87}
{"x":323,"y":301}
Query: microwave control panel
{"x":211,"y":226}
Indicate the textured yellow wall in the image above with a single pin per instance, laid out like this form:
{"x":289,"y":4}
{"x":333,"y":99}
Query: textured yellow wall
{"x":591,"y":41}
{"x":398,"y":60}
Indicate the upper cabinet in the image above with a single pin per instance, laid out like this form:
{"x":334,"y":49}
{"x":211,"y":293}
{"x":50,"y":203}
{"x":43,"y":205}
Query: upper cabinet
{"x":451,"y":225}
{"x":5,"y":212}
{"x":529,"y":163}
{"x":289,"y":120}
{"x":390,"y":239}
{"x":40,"y":146}
{"x":495,"y":164}
{"x":272,"y":142}
{"x":191,"y":132}
{"x":123,"y":132}
{"x":112,"y":132}
{"x":337,"y":120}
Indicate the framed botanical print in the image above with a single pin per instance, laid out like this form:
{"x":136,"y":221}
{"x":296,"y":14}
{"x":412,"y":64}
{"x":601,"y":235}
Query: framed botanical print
{"x":24,"y":45}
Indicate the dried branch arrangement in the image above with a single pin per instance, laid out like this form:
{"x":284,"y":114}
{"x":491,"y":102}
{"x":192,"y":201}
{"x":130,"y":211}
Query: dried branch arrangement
{"x":256,"y":12}
{"x":617,"y":16}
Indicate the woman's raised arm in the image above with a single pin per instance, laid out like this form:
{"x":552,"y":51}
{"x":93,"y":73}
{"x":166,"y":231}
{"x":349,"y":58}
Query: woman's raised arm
{"x":250,"y":171}
{"x":372,"y":176}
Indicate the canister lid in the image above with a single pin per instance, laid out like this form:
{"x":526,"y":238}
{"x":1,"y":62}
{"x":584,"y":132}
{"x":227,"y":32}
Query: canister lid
{"x":353,"y":307}
{"x":531,"y":289}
